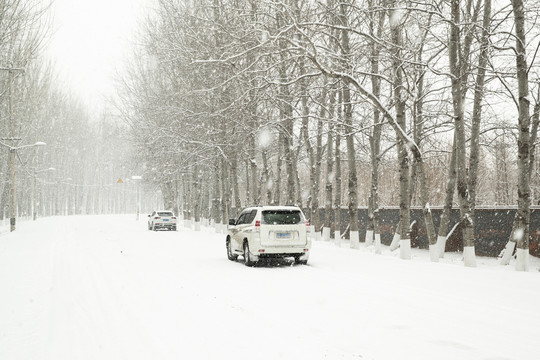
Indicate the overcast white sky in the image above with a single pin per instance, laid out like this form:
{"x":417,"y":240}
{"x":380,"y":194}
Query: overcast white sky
{"x":91,"y":40}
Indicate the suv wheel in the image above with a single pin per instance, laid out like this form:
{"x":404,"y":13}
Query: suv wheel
{"x":230,"y":254}
{"x":299,"y":262}
{"x":247,"y":255}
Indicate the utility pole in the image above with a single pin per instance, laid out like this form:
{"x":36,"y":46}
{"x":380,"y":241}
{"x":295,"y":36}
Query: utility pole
{"x":12,"y":150}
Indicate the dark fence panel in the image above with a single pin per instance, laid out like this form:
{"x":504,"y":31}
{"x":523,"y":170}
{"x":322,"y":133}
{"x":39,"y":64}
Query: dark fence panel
{"x":492,"y":228}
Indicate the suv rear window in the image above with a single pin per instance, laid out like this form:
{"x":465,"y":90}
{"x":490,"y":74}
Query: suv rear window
{"x":165,"y":214}
{"x":281,"y":217}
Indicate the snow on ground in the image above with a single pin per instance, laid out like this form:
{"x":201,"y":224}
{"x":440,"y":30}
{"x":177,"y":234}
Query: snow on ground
{"x":104,"y":287}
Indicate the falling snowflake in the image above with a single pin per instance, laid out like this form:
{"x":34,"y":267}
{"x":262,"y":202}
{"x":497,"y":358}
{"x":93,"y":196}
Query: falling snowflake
{"x":265,"y":138}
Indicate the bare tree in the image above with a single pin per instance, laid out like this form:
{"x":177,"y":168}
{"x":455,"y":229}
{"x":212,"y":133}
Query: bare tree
{"x":520,"y":231}
{"x":457,"y":68}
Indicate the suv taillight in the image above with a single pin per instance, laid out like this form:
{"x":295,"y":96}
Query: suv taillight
{"x":257,"y":225}
{"x":174,"y":218}
{"x":157,"y":217}
{"x":307,"y":223}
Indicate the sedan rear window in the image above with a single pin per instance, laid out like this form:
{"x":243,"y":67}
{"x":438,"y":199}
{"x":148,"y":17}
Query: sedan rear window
{"x":165,"y":213}
{"x":281,"y":217}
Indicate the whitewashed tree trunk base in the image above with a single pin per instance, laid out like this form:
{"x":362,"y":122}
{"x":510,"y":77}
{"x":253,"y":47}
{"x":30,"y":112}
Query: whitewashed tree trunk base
{"x":378,"y":249}
{"x":522,"y":260}
{"x":318,"y":236}
{"x":469,"y":256}
{"x":441,"y":245}
{"x":355,"y":239}
{"x":187,"y":224}
{"x":197,"y":226}
{"x":337,"y":238}
{"x":326,"y":234}
{"x":312,"y":232}
{"x":507,"y":253}
{"x":369,"y":238}
{"x":434,"y":253}
{"x":395,"y":242}
{"x":405,"y":249}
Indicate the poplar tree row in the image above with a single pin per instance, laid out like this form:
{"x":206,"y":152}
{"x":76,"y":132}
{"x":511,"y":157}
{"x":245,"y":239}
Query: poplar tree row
{"x":338,"y":103}
{"x":76,"y":170}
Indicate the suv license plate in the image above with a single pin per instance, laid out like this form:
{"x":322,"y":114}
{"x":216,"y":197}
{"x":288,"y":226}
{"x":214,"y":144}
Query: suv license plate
{"x":283,"y":235}
{"x":165,"y":219}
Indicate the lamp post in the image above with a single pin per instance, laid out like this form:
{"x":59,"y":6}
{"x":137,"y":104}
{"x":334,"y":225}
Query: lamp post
{"x":11,"y":70}
{"x":12,"y":151}
{"x":34,"y":205}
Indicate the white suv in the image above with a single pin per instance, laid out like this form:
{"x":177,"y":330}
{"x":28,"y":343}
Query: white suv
{"x":162,"y":219}
{"x":269,"y":231}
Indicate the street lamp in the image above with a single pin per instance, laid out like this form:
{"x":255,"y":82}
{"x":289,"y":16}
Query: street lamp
{"x":34,"y":206}
{"x":12,"y":151}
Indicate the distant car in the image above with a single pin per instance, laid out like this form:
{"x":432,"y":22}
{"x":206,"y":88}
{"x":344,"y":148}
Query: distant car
{"x":162,"y":219}
{"x":269,"y":232}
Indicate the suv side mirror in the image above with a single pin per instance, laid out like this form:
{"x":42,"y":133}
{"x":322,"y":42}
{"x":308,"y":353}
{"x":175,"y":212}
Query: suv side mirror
{"x":232,"y":222}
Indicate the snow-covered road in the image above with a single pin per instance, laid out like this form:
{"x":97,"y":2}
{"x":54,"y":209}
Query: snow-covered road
{"x":104,"y":287}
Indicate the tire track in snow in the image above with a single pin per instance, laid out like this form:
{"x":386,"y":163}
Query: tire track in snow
{"x":91,"y":313}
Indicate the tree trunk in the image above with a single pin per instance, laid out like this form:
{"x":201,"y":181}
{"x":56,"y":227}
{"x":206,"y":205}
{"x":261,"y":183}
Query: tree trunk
{"x":318,"y":167}
{"x":521,"y":233}
{"x":418,"y":132}
{"x":477,"y":106}
{"x":266,"y":185}
{"x":206,"y":198}
{"x":315,"y":159}
{"x":403,"y":159}
{"x":313,"y":193}
{"x":216,"y":199}
{"x":225,"y":197}
{"x":456,"y":68}
{"x":428,"y":218}
{"x":448,"y":201}
{"x":373,"y":232}
{"x":253,"y":169}
{"x":234,"y":184}
{"x":281,"y":150}
{"x":330,"y":175}
{"x":349,"y":134}
{"x":197,"y":198}
{"x":187,"y":200}
{"x":286,"y":117}
{"x":337,"y":203}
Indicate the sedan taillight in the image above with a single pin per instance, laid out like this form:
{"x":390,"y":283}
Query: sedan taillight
{"x":157,"y":217}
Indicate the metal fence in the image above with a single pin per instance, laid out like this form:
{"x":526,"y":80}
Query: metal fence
{"x":492,"y":227}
